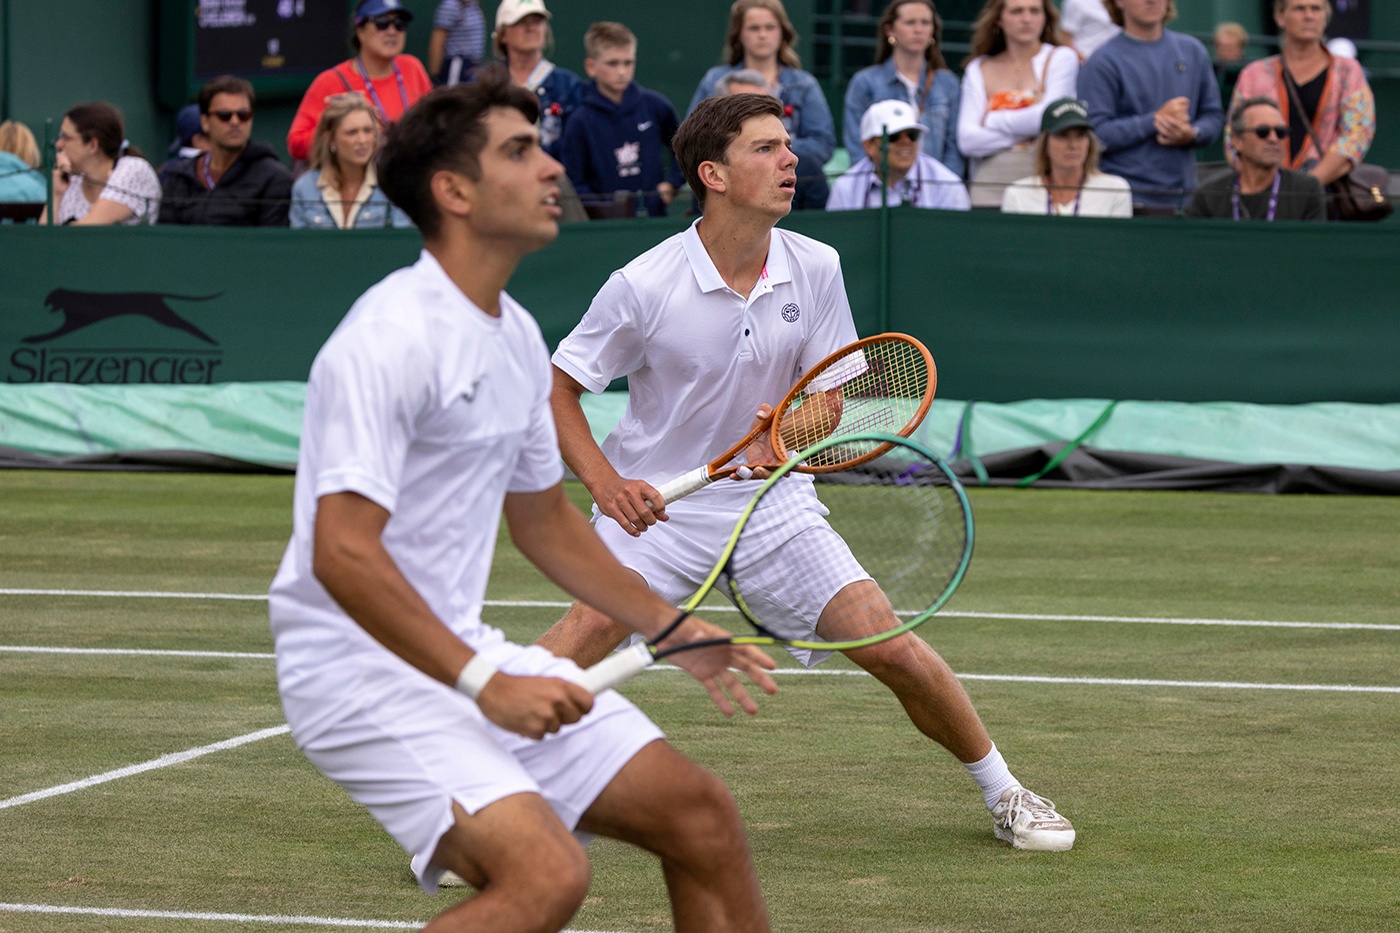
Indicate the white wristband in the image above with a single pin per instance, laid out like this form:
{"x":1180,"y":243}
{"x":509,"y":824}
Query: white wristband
{"x":475,"y":675}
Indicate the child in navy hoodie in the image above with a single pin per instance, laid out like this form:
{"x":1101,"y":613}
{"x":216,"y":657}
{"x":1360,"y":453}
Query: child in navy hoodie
{"x":619,"y":138}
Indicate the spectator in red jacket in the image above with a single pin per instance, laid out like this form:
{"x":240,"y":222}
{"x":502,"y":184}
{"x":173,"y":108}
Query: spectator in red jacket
{"x":391,"y":80}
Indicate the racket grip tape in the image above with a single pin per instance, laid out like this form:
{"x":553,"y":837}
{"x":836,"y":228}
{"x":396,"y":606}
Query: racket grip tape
{"x":683,"y":485}
{"x":617,"y":668}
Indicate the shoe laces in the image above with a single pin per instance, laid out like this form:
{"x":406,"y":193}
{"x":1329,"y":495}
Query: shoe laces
{"x":1036,"y":808}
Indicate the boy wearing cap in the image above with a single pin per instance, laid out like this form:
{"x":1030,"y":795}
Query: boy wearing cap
{"x":1067,"y":181}
{"x":910,"y":175}
{"x":380,"y":70}
{"x":619,"y":139}
{"x":522,"y":38}
{"x":189,"y":141}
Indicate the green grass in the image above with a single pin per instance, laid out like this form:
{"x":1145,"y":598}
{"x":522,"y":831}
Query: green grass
{"x":1198,"y":807}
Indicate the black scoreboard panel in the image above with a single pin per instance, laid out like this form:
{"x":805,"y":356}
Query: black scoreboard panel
{"x":253,"y":38}
{"x":279,"y":45}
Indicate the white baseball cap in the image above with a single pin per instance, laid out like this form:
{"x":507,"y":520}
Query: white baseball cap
{"x":888,"y":116}
{"x":511,"y":12}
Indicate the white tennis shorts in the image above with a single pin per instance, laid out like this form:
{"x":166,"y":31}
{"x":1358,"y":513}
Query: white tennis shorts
{"x":405,"y":747}
{"x":786,"y":574}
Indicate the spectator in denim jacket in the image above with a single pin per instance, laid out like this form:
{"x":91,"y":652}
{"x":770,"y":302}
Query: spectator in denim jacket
{"x":909,"y":66}
{"x":341,"y":191}
{"x":761,"y":38}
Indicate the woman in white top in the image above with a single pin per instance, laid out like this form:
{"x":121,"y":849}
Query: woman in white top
{"x":341,"y":191}
{"x":99,"y":178}
{"x":1067,"y":181}
{"x":1018,"y":61}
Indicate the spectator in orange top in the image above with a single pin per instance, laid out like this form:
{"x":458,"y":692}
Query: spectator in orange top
{"x":390,"y":79}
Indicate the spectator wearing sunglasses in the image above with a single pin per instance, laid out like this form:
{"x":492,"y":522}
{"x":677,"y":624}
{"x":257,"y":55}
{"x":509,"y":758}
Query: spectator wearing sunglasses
{"x":391,"y":80}
{"x":1260,"y":188}
{"x":911,"y":175}
{"x":238,"y":182}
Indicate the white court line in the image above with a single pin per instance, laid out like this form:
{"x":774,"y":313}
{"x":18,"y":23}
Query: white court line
{"x":1009,"y":678}
{"x":947,"y":614}
{"x":199,"y":915}
{"x":163,"y":761}
{"x":226,"y":918}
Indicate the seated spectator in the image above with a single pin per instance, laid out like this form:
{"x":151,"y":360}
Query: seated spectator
{"x":890,"y":132}
{"x":19,"y":157}
{"x":99,"y":177}
{"x":761,"y":38}
{"x":1016,"y":65}
{"x":1230,"y":41}
{"x":1260,"y":189}
{"x":909,"y":66}
{"x":458,"y":41}
{"x":390,"y":79}
{"x":619,"y":139}
{"x":522,"y":39}
{"x":189,"y":141}
{"x":1313,"y":88}
{"x":1067,"y":181}
{"x":341,"y":191}
{"x":239,"y":182}
{"x":1153,"y":100}
{"x":1086,"y":25}
{"x":743,"y":81}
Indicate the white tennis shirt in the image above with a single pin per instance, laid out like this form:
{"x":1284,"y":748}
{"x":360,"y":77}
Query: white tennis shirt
{"x":699,"y":357}
{"x":433,"y":409}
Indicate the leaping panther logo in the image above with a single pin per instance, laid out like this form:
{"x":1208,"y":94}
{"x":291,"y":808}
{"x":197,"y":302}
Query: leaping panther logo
{"x":83,"y":309}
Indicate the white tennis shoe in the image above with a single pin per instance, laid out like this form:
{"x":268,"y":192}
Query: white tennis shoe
{"x":1030,"y":822}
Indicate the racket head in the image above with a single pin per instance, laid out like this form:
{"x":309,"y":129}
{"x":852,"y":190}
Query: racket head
{"x":882,"y":384}
{"x":904,"y":517}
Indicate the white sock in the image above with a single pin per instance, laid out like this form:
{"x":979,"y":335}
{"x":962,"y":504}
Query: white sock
{"x":992,"y":775}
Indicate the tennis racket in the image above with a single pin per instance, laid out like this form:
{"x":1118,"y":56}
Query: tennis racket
{"x":883,"y":383}
{"x":904,"y":517}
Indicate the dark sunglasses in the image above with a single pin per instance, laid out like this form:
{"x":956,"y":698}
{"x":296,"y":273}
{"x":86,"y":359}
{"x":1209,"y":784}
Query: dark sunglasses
{"x":386,"y":21}
{"x":1263,"y":132}
{"x":905,"y":135}
{"x":227,"y":115}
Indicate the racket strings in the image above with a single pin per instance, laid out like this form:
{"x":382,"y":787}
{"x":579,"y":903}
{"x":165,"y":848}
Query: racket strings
{"x":899,"y":522}
{"x":877,"y":387}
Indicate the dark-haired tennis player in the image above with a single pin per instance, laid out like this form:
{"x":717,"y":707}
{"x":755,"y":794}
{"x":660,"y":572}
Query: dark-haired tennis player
{"x":730,"y":312}
{"x":427,"y":414}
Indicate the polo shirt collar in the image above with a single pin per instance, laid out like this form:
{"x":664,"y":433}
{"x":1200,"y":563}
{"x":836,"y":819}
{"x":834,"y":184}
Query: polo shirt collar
{"x":776,"y":270}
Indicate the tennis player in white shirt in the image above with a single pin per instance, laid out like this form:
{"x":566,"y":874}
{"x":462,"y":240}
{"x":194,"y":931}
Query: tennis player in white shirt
{"x":427,"y":415}
{"x":705,"y":326}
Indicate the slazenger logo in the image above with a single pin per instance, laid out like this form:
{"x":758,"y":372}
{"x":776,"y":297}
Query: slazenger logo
{"x":81,"y":310}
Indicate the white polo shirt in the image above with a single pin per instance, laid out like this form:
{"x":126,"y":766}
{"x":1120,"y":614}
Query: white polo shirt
{"x":433,"y":409}
{"x":699,"y":357}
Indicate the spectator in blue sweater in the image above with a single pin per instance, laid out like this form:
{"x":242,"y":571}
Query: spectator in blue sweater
{"x":619,"y":138}
{"x":1153,"y":100}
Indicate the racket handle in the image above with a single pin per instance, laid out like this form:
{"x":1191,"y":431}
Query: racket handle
{"x":617,"y":668}
{"x":685,"y":484}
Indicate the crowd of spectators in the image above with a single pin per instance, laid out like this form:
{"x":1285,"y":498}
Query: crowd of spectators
{"x":1092,"y":108}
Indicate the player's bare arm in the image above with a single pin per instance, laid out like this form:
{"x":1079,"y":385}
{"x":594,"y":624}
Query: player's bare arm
{"x":555,"y":536}
{"x":633,"y":503}
{"x":350,"y":561}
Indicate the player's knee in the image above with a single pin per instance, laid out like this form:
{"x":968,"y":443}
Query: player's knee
{"x":710,"y":821}
{"x":549,"y":886}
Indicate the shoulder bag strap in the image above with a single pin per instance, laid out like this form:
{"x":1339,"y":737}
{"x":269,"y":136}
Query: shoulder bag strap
{"x":1297,"y":103}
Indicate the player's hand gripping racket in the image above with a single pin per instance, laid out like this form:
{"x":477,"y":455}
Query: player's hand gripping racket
{"x":884,"y":383}
{"x":905,"y":519}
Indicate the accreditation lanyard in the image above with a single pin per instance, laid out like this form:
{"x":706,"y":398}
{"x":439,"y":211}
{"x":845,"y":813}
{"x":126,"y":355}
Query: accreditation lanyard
{"x":1050,"y":202}
{"x":205,"y":169}
{"x":374,"y":95}
{"x":1273,"y":198}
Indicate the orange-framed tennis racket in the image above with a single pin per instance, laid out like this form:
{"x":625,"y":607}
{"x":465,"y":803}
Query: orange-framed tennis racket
{"x":883,"y":384}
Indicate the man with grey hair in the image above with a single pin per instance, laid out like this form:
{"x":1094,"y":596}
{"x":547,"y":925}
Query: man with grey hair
{"x":743,"y":81}
{"x":1260,"y":188}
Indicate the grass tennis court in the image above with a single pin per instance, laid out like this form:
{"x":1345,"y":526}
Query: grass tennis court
{"x":1221,"y":775}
